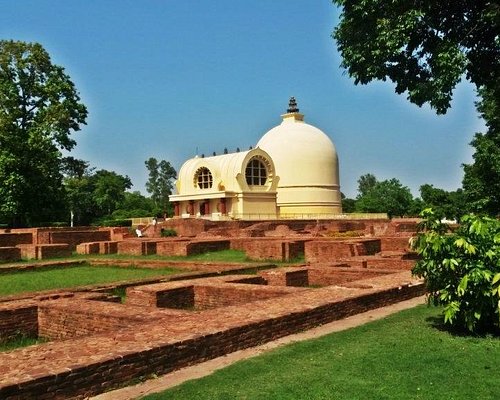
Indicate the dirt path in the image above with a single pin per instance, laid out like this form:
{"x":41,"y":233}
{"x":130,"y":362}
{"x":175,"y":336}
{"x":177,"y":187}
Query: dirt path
{"x":206,"y":368}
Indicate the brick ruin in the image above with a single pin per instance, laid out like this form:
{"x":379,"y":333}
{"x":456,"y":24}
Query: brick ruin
{"x":97,"y":343}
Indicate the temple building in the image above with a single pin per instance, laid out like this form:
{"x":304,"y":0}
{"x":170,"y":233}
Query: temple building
{"x":292,"y":173}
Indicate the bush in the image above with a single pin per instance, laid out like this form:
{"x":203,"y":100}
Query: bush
{"x":115,"y":222}
{"x":168,"y":232}
{"x":461,"y":269}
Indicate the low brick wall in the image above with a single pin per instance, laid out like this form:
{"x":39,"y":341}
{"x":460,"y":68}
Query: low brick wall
{"x":66,"y":319}
{"x":286,"y":277}
{"x":74,"y":237}
{"x":137,"y":247}
{"x":18,"y":320}
{"x":13,"y":239}
{"x":42,"y":251}
{"x":395,"y":243}
{"x":340,"y":276}
{"x":321,"y":251}
{"x":214,"y":296}
{"x":10,"y":254}
{"x":88,"y":248}
{"x":200,"y":247}
{"x":269,"y":248}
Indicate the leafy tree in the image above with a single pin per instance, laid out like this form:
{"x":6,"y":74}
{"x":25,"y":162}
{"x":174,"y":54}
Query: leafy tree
{"x":451,"y":205}
{"x":366,"y":183}
{"x":160,"y":182}
{"x":133,"y":205}
{"x":481,"y":181}
{"x":79,"y":190}
{"x":425,"y":47}
{"x":348,"y":205}
{"x":462,"y":269}
{"x":109,"y":190}
{"x":39,"y":109}
{"x":388,"y":196}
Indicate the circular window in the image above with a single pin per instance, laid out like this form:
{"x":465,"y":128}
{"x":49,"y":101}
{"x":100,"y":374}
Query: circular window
{"x":256,"y":172}
{"x":203,"y":178}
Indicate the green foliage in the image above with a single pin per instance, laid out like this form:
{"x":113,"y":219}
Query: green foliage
{"x":366,"y":183}
{"x":168,"y":233}
{"x":444,"y":204}
{"x":481,"y":181}
{"x":19,"y":341}
{"x":40,"y":108}
{"x":116,"y":222}
{"x":424,"y":47}
{"x":388,"y":196}
{"x":160,"y":182}
{"x":462,"y":269}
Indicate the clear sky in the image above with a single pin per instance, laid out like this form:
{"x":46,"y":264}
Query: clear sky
{"x":169,"y":79}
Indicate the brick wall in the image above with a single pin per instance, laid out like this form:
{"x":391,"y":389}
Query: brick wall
{"x":137,"y":247}
{"x":18,"y":320}
{"x":207,"y":246}
{"x":286,"y":277}
{"x":320,"y":251}
{"x":10,"y":254}
{"x":207,"y":297}
{"x":13,"y":239}
{"x":43,"y":251}
{"x":395,"y":243}
{"x":69,"y":319}
{"x":73,"y":238}
{"x":269,"y":248}
{"x":339,"y":276}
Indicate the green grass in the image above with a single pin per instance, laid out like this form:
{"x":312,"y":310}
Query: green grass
{"x":20,"y":341}
{"x":70,"y":277}
{"x":230,"y":256}
{"x":405,"y":356}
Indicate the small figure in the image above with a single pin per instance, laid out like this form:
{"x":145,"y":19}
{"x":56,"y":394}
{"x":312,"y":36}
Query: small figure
{"x":155,"y":222}
{"x":138,"y":232}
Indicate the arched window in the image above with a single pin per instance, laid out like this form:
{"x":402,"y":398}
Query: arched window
{"x":203,"y":178}
{"x":256,"y":172}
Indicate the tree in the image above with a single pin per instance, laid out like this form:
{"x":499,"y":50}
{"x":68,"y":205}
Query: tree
{"x":348,"y":205}
{"x":388,"y":196}
{"x":481,"y":181}
{"x":461,"y":269}
{"x":109,"y":190}
{"x":39,"y":109}
{"x":366,"y":183}
{"x":444,"y":204}
{"x":425,"y":47}
{"x":160,"y":182}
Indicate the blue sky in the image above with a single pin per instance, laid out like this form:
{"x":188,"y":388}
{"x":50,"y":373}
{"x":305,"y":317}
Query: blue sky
{"x":167,"y":79}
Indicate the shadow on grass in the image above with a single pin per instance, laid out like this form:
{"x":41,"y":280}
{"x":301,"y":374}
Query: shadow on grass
{"x":437,"y":322}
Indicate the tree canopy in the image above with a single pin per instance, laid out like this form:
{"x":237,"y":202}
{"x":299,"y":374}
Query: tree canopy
{"x":39,"y":109}
{"x":424,"y":46}
{"x":160,"y":182}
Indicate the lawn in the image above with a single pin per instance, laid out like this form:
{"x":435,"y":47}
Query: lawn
{"x":228,"y":256}
{"x":405,"y":356}
{"x":70,"y":277}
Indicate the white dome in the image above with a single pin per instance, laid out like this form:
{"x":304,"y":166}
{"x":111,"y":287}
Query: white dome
{"x":307,"y":165}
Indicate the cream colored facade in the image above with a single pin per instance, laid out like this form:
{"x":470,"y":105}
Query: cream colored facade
{"x":293,"y":171}
{"x":226,"y":185}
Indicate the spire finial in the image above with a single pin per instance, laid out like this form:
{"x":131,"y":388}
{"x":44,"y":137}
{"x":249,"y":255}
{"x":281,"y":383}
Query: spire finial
{"x":292,"y":106}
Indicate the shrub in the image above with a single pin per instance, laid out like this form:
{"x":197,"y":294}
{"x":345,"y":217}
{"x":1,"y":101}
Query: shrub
{"x":461,"y":269}
{"x":115,"y":222}
{"x":168,"y":232}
